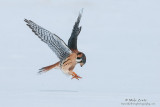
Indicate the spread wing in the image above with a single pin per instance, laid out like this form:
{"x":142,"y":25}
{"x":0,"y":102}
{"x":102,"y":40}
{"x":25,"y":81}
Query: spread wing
{"x":72,"y":42}
{"x":53,"y":41}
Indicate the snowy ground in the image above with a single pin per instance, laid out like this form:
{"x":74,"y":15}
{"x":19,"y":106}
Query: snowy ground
{"x":121,"y":39}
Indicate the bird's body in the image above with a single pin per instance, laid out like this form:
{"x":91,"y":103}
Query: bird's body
{"x":69,"y":55}
{"x":68,"y":64}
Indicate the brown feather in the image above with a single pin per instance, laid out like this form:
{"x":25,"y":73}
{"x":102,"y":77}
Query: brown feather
{"x":47,"y":68}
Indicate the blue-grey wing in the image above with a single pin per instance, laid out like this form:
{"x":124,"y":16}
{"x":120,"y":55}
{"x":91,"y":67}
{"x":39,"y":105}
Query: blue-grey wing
{"x":72,"y":42}
{"x":53,"y":41}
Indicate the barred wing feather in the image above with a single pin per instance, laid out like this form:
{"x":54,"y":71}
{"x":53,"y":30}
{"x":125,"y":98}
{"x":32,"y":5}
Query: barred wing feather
{"x":72,"y":42}
{"x":53,"y":41}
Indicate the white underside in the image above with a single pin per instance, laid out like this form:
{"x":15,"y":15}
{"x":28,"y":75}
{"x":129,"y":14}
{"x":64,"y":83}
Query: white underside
{"x":65,"y":71}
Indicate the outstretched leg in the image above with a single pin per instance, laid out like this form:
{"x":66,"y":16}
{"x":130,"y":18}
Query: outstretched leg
{"x":74,"y":75}
{"x":47,"y":68}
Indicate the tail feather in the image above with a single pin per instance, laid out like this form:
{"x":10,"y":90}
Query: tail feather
{"x":47,"y":68}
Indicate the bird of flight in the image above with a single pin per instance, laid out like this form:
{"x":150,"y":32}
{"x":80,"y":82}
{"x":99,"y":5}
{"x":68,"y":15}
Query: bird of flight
{"x":68,"y":55}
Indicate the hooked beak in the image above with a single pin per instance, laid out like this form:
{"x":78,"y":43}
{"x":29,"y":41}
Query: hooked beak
{"x":81,"y":64}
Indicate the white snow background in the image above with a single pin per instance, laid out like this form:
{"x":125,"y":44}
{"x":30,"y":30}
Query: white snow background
{"x":121,"y":39}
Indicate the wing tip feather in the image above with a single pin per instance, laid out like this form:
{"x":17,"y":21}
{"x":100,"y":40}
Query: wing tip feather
{"x":26,"y":20}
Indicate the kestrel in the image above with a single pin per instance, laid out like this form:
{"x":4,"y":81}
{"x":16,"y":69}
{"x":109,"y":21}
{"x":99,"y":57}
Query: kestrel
{"x":68,"y":55}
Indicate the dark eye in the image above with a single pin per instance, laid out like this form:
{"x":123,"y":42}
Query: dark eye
{"x":78,"y":57}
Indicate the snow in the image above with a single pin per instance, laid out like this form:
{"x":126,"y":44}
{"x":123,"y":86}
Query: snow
{"x":120,"y":39}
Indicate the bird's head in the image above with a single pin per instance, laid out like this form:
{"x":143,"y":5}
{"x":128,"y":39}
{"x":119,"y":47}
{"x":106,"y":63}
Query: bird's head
{"x":81,"y":58}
